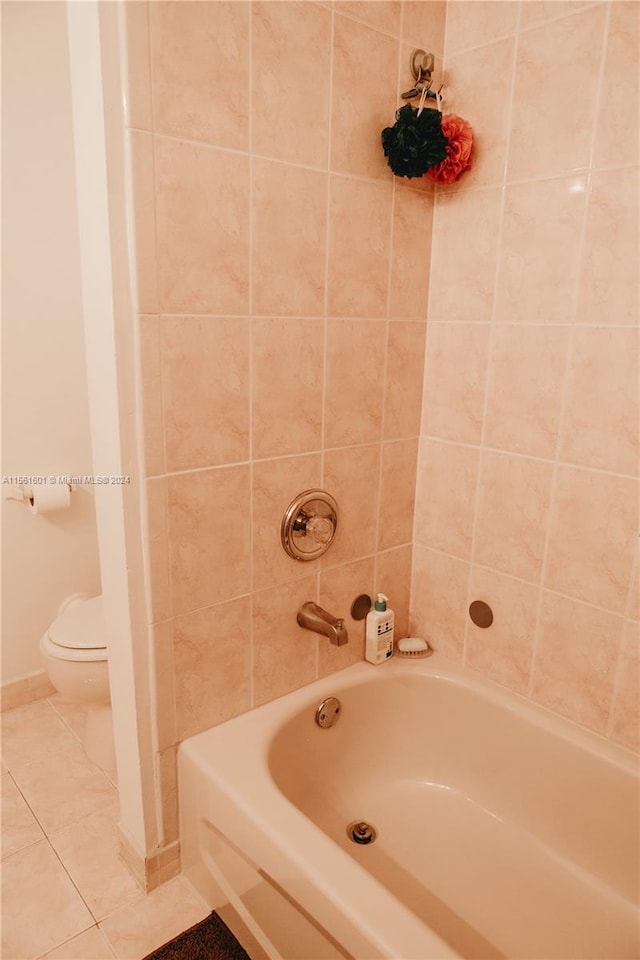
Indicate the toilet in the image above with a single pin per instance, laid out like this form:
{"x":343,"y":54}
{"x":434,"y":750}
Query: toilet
{"x":74,"y":651}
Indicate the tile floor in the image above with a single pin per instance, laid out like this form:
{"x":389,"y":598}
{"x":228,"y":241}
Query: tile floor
{"x":66,"y":895}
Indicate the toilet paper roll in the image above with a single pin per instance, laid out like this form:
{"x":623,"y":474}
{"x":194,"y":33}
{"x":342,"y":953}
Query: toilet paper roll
{"x":48,"y":498}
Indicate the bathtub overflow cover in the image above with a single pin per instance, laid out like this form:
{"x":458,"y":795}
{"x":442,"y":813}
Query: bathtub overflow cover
{"x":361,"y":832}
{"x":328,"y":712}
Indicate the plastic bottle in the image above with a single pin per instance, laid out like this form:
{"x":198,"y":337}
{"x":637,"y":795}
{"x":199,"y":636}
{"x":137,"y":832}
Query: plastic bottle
{"x":379,"y":632}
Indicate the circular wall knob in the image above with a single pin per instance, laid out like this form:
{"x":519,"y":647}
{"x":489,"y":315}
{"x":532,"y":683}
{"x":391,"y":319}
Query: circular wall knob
{"x":309,"y":524}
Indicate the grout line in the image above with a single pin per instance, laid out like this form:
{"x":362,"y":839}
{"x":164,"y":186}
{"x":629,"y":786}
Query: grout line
{"x":558,"y":464}
{"x":520,"y":30}
{"x":234,"y":151}
{"x":325,"y":311}
{"x":496,"y":279}
{"x":385,"y":364}
{"x":251,"y":326}
{"x":327,"y":241}
{"x":434,"y":438}
{"x":47,"y":838}
{"x":68,"y":940}
{"x":418,"y":318}
{"x":516,"y":579}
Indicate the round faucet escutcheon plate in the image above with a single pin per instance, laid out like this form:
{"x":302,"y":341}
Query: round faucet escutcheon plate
{"x":309,"y":524}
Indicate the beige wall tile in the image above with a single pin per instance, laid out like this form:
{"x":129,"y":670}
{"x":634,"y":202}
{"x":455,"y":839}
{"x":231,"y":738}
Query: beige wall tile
{"x":488,"y":115}
{"x":513,"y":507}
{"x":198,"y":48}
{"x":291,"y":59}
{"x":403,"y":379}
{"x":601,"y":419}
{"x":359,"y":247}
{"x":138,"y":100}
{"x":352,"y":476}
{"x":625,"y":719}
{"x":143,"y":177}
{"x":526,"y":380}
{"x":445,"y":499}
{"x":275,"y":484}
{"x":576,"y":660}
{"x":205,"y":390}
{"x":594,"y":524}
{"x":151,"y":383}
{"x":208,"y":536}
{"x":424,"y":22}
{"x":202,"y":209}
{"x":382,"y":14}
{"x":284,"y":654}
{"x":454,"y":380}
{"x":618,"y":115}
{"x":361,"y":110}
{"x":470,"y":24}
{"x":158,"y":544}
{"x":552,"y":135}
{"x":411,"y":249}
{"x":288,"y":240}
{"x":462,"y":283}
{"x":503,"y":651}
{"x":393,"y":577}
{"x":287,"y":386}
{"x":397,"y":495}
{"x":439,"y":587}
{"x":609,"y":276}
{"x":339,"y":587}
{"x":212,"y":656}
{"x":539,"y":259}
{"x":355,"y":358}
{"x":534,"y":12}
{"x":165,"y":683}
{"x":168,"y":777}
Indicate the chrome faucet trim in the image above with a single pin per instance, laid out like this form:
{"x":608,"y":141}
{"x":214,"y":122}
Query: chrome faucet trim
{"x":313,"y":617}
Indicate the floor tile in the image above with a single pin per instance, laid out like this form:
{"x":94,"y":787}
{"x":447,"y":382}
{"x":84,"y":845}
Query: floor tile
{"x":147,"y":923}
{"x":35,"y":733}
{"x":19,"y":826}
{"x":41,"y":908}
{"x":63,"y":790}
{"x":90,"y":945}
{"x":74,"y":715}
{"x":89,"y":852}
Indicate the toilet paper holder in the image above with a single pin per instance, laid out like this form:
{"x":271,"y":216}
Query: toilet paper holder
{"x":57,"y":497}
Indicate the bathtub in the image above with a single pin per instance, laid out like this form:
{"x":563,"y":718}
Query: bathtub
{"x":502,"y":830}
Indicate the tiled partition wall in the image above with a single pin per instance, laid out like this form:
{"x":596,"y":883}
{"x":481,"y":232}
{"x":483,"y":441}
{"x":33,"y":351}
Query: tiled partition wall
{"x":528,"y":473}
{"x":283,"y":284}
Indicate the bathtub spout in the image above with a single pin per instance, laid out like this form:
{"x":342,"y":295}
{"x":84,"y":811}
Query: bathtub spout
{"x":313,"y":617}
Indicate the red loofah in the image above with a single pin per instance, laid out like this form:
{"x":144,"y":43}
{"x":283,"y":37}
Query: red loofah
{"x":460,"y":141}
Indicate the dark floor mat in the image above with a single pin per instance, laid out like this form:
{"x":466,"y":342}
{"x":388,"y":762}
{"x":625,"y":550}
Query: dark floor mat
{"x":210,"y":939}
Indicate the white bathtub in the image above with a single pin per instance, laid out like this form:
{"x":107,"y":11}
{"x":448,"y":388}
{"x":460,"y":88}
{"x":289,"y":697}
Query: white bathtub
{"x":503,"y":831}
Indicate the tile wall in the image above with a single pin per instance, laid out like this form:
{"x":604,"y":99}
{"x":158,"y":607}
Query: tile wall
{"x":282,"y":286}
{"x":527,"y":491}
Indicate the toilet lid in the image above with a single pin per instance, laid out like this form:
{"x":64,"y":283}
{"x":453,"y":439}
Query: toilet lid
{"x":81,"y":627}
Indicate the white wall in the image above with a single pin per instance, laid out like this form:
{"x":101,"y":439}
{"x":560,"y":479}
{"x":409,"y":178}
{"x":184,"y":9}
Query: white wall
{"x":45,"y":421}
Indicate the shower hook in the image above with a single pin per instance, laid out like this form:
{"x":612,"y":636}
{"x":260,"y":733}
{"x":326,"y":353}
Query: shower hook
{"x":422,"y":65}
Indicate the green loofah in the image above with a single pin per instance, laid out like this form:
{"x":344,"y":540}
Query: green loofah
{"x":415,"y":142}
